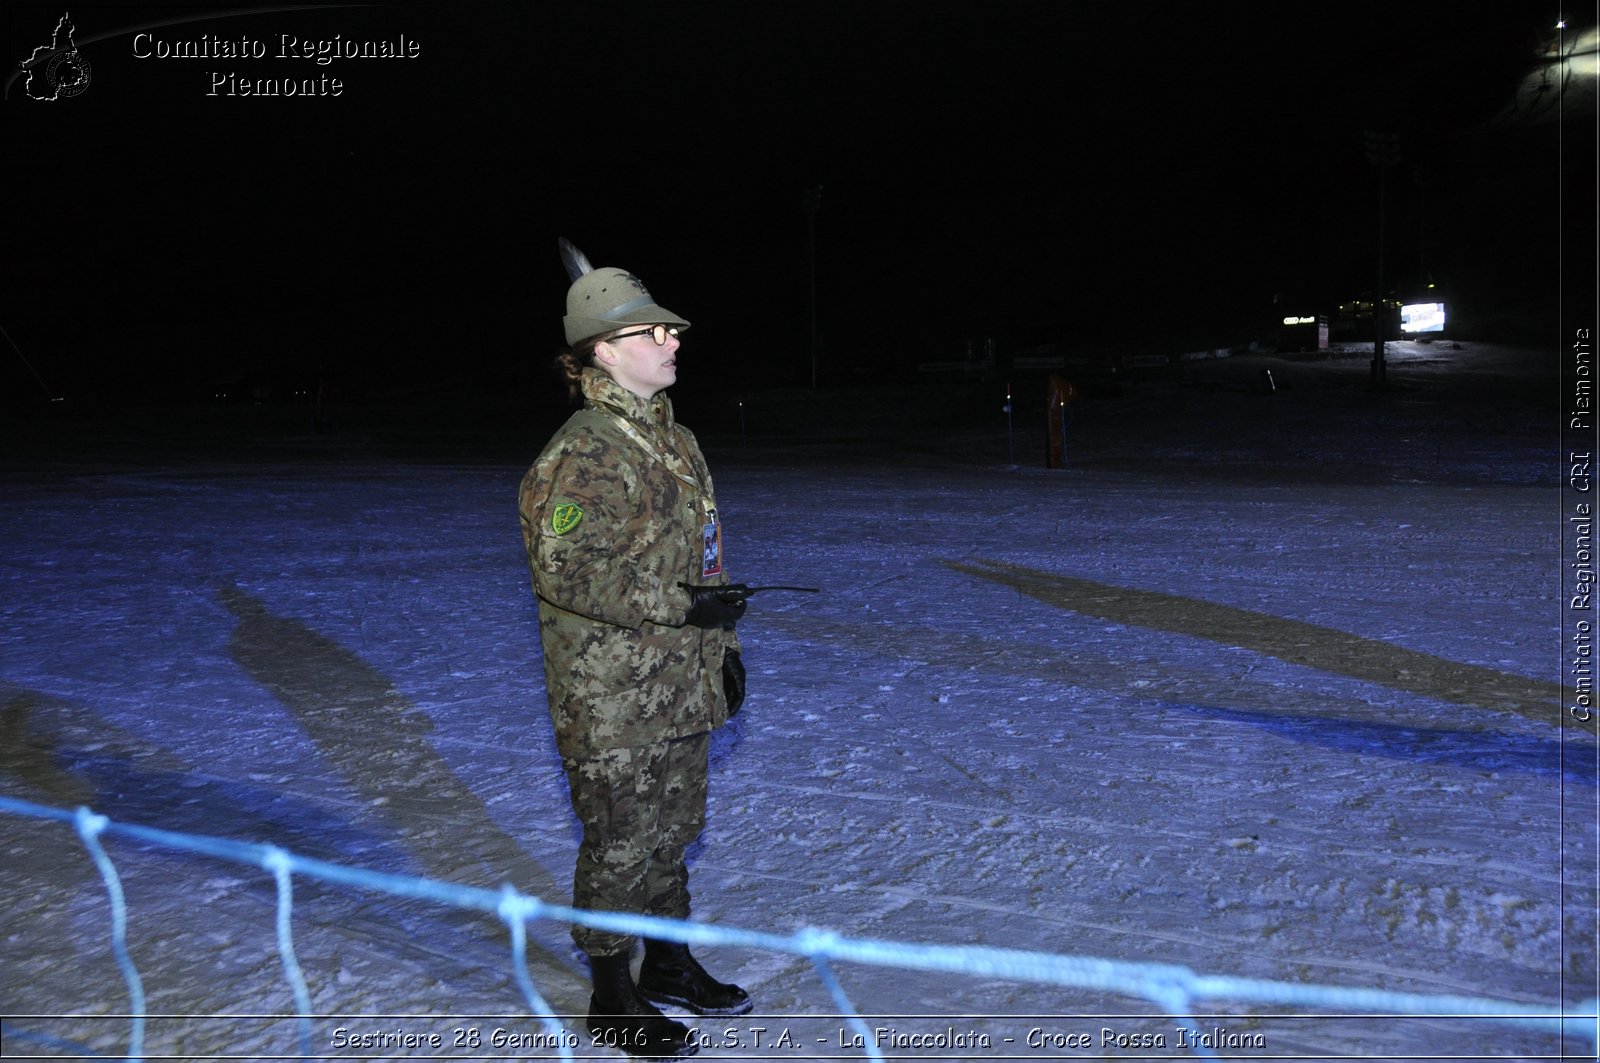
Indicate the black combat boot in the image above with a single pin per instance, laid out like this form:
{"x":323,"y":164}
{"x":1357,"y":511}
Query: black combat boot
{"x":620,"y":1018}
{"x":671,"y":976}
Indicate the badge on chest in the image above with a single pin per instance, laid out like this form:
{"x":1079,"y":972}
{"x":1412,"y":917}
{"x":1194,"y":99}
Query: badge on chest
{"x":711,"y":546}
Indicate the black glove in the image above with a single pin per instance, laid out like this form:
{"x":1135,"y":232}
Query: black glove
{"x":733,"y":681}
{"x":713,"y":607}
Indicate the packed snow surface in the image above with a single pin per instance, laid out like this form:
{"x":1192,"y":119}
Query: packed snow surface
{"x":1264,"y":683}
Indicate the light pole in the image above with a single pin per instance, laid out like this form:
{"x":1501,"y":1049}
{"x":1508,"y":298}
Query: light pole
{"x":813,"y":203}
{"x":1383,"y":151}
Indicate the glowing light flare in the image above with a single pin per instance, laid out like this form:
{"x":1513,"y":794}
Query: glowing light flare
{"x":1422,"y":317}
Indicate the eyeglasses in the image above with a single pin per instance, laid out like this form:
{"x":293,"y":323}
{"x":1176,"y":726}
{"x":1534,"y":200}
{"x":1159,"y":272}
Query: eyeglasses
{"x":657,"y":332}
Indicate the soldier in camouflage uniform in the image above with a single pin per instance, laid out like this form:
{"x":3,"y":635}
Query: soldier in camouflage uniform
{"x":641,"y":662}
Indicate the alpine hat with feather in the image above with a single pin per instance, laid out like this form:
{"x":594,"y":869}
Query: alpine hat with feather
{"x":607,"y":299}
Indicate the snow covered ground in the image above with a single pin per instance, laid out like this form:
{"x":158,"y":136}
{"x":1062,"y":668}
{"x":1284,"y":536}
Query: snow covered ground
{"x":1263,"y":684}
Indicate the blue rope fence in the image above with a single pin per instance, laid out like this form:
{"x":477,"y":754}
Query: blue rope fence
{"x":1174,"y":988}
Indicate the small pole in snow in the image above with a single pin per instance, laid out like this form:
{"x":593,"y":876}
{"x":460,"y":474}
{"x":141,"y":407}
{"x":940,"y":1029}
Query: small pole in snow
{"x":744,"y":437}
{"x":1059,"y":394}
{"x":1011,"y":437}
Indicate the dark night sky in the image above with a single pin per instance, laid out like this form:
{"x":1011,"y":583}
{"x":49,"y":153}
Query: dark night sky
{"x":1030,"y":171}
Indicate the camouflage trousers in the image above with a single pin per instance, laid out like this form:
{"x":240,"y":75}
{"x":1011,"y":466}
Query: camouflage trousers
{"x":640,"y":809}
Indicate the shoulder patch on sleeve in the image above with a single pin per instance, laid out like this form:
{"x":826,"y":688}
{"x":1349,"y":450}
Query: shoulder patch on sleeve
{"x":565,"y":518}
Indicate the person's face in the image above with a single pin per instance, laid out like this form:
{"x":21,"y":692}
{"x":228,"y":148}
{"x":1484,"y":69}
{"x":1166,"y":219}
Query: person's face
{"x":638,"y":363}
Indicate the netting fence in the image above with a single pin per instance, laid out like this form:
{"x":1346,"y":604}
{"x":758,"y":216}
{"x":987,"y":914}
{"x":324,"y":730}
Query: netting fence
{"x":1175,"y":989}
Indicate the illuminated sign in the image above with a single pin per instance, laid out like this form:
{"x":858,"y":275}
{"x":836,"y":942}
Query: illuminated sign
{"x":1422,"y":317}
{"x":1299,"y":321}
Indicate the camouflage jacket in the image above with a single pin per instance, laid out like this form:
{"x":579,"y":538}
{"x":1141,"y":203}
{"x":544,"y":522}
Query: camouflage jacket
{"x":614,"y":515}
